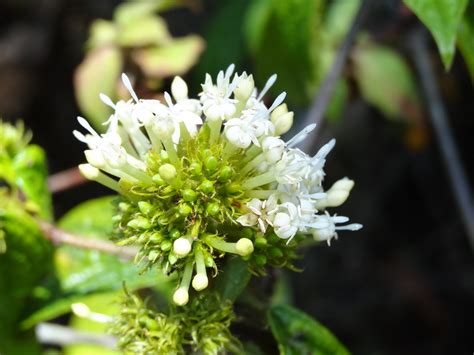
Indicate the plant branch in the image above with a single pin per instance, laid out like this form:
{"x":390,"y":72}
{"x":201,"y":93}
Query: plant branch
{"x":65,"y":180}
{"x":444,"y":135}
{"x":59,"y":236}
{"x":321,"y":101}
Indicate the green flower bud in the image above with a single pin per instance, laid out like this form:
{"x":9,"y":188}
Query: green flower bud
{"x":233,"y":189}
{"x":276,"y":253}
{"x":158,"y":180}
{"x":153,"y":255}
{"x":260,"y":260}
{"x":260,"y":243}
{"x":156,"y":237}
{"x":164,"y":157}
{"x":144,"y":207}
{"x":123,"y":206}
{"x":247,"y":233}
{"x":195,"y":168}
{"x":139,"y":223}
{"x":189,"y":195}
{"x":273,"y":238}
{"x":167,"y":172}
{"x":184,"y":210}
{"x":172,"y":258}
{"x":206,"y":186}
{"x":225,"y":173}
{"x":166,"y":245}
{"x":174,"y":233}
{"x":213,"y":209}
{"x":211,"y":163}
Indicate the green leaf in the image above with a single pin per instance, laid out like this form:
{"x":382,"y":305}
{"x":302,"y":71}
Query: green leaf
{"x":443,"y":18}
{"x":31,"y":176}
{"x":87,"y":271}
{"x":466,"y":38}
{"x":223,"y":37}
{"x":285,"y":41}
{"x":386,"y":81}
{"x":26,"y":262}
{"x":102,"y":33}
{"x":143,"y":31}
{"x":175,"y":58}
{"x":233,"y":279}
{"x":297,"y":333}
{"x":98,"y":73}
{"x":338,"y":19}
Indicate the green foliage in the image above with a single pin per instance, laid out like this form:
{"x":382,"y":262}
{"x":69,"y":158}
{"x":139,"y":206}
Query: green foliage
{"x":86,"y":271}
{"x":201,"y":326}
{"x":443,"y":18}
{"x":136,"y":38}
{"x":223,"y":36}
{"x":385,"y":80}
{"x":26,"y":262}
{"x":466,"y":38}
{"x":297,"y":333}
{"x":283,"y":39}
{"x":233,"y":279}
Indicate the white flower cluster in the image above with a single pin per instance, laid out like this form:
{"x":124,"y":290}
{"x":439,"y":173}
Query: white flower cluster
{"x":283,"y":183}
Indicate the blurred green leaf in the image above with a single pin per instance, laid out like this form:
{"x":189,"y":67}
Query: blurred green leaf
{"x":297,"y":333}
{"x":385,"y":80}
{"x":223,"y":36}
{"x":442,"y":17}
{"x":26,"y":262}
{"x":87,"y":271}
{"x":143,"y":31}
{"x":102,"y":33}
{"x":338,"y":19}
{"x":466,"y":38}
{"x":285,"y":41}
{"x":233,"y":279}
{"x":129,"y":12}
{"x":174,"y":58}
{"x":98,"y":73}
{"x":31,"y":176}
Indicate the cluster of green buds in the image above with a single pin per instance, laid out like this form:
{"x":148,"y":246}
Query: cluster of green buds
{"x":202,"y":178}
{"x":201,"y":327}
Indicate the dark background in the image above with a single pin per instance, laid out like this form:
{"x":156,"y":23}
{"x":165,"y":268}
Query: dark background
{"x":402,"y":285}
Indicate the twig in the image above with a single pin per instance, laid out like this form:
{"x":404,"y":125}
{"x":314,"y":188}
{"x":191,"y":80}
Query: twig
{"x":55,"y":334}
{"x":65,"y":180}
{"x":59,"y":236}
{"x":439,"y":118}
{"x":321,"y":101}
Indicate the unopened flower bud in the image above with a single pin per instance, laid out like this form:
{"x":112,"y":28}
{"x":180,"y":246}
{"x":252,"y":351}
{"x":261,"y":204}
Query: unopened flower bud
{"x":283,"y":123}
{"x":179,"y":89}
{"x":181,"y":296}
{"x":245,"y":88}
{"x":181,"y":247}
{"x":200,"y":282}
{"x":89,"y":172}
{"x":244,"y":246}
{"x":144,"y":207}
{"x":167,"y":172}
{"x":95,"y":158}
{"x":280,"y":110}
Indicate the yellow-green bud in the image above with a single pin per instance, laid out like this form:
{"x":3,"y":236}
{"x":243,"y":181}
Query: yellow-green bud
{"x":144,"y":207}
{"x":244,"y":246}
{"x":189,"y":195}
{"x":181,"y":296}
{"x":200,"y":282}
{"x":211,"y":163}
{"x":167,"y":172}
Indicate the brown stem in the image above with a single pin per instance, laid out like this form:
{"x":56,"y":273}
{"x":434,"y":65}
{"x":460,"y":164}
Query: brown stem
{"x":59,"y":236}
{"x":65,"y":180}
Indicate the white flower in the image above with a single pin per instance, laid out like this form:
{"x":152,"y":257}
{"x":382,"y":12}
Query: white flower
{"x":286,"y":222}
{"x":216,"y":99}
{"x":261,"y":213}
{"x":325,"y":227}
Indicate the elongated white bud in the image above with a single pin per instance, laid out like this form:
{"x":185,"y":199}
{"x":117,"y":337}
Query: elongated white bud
{"x":181,"y":247}
{"x":179,"y":89}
